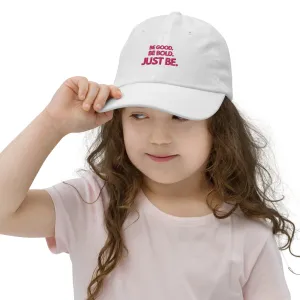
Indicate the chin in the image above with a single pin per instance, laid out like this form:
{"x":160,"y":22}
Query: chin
{"x":163,"y":177}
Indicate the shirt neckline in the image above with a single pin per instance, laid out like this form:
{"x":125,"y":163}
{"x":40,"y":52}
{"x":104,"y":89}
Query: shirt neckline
{"x":148,"y":207}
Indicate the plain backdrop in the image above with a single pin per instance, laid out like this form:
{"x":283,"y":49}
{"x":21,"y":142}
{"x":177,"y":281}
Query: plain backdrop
{"x":45,"y":42}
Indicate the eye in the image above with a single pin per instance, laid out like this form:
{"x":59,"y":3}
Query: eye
{"x":174,"y":116}
{"x":134,"y":116}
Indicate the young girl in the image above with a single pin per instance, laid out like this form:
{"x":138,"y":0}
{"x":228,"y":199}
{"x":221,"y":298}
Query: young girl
{"x":171,"y":206}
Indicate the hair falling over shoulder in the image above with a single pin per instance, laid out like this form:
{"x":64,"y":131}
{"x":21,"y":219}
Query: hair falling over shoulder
{"x":235,"y":167}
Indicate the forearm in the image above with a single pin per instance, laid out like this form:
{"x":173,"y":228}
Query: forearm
{"x":22,"y":159}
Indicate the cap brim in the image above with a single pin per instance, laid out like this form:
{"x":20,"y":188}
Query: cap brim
{"x":181,"y":101}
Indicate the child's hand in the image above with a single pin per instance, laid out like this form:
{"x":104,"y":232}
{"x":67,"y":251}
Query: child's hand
{"x":67,"y":108}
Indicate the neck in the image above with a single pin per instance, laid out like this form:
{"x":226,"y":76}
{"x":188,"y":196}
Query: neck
{"x":191,"y":189}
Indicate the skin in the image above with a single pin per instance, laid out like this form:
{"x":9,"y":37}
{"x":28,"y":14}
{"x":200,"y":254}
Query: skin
{"x":176,"y":186}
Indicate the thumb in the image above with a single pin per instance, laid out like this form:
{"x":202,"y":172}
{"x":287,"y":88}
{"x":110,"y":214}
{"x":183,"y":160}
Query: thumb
{"x":104,"y":117}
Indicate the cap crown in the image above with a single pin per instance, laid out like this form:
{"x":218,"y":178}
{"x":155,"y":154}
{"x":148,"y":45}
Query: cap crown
{"x":179,"y":50}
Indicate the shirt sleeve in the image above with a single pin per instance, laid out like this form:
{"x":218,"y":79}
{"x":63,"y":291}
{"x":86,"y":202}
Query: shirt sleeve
{"x":266,"y":280}
{"x":72,"y":214}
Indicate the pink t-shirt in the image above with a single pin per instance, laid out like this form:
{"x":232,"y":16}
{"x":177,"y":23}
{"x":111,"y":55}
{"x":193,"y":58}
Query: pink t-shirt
{"x":170,"y":257}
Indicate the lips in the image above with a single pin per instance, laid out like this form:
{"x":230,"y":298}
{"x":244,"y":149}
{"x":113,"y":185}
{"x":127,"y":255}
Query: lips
{"x":162,"y":156}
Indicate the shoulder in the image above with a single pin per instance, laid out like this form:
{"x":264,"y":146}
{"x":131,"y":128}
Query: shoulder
{"x":254,"y":229}
{"x":78,"y":203}
{"x":252,"y":234}
{"x":88,"y":187}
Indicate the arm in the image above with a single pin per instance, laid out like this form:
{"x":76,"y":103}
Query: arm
{"x":21,"y":160}
{"x":266,"y":280}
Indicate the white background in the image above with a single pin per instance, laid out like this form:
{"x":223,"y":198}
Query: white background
{"x":45,"y":42}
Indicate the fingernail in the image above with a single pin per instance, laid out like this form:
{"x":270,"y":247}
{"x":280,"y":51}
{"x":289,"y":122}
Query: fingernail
{"x":119,"y":93}
{"x":86,"y":106}
{"x":98,"y":106}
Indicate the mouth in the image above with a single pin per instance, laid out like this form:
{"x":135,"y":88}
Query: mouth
{"x":162,"y":156}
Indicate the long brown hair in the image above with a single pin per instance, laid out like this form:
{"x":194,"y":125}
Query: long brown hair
{"x":235,"y":168}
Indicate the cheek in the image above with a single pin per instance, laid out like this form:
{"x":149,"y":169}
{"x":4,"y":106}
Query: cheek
{"x":130,"y":132}
{"x":197,"y":146}
{"x":133,"y":131}
{"x":133,"y":139}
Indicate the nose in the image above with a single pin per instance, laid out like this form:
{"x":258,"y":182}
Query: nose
{"x":160,"y":134}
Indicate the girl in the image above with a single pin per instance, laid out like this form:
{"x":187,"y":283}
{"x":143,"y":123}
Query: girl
{"x":171,"y":206}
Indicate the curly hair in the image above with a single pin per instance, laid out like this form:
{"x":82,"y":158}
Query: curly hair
{"x":235,"y":167}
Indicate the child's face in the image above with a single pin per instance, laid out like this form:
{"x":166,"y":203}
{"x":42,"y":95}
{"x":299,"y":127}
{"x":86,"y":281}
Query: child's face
{"x":159,"y":133}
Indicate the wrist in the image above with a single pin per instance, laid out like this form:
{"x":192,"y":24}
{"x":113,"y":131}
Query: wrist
{"x":50,"y":124}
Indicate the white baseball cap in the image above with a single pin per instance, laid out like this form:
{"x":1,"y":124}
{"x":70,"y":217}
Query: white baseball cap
{"x":174,"y":63}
